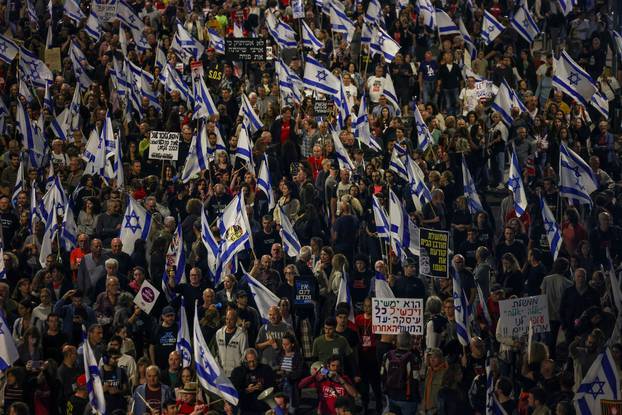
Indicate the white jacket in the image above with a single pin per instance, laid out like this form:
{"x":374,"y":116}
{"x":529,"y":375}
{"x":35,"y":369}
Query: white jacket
{"x":230,"y":355}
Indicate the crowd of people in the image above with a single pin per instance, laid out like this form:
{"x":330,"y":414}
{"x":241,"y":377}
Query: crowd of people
{"x":63,"y":298}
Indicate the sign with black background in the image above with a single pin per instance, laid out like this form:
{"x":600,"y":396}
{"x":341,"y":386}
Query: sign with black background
{"x":245,"y":49}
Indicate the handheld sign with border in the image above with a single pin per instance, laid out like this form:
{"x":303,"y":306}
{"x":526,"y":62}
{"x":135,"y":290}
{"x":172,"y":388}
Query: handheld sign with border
{"x":321,"y":107}
{"x":146,"y":297}
{"x":516,"y":313}
{"x":106,"y":11}
{"x":163,"y":145}
{"x":397,"y":315}
{"x":434,"y":253}
{"x":245,"y":49}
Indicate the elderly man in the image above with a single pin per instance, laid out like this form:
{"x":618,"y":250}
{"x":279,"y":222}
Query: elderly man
{"x":231,"y":341}
{"x":123,"y":259}
{"x":262,"y":270}
{"x":270,"y":336}
{"x":153,"y":393}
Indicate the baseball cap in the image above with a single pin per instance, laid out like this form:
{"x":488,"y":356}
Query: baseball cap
{"x":168,"y":310}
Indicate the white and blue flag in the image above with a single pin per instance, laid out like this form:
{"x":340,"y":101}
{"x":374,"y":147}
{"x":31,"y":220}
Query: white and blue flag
{"x":20,"y":184}
{"x":244,"y":148}
{"x":94,"y":384}
{"x":341,"y":153}
{"x":396,"y":165}
{"x":522,"y":21}
{"x":250,"y":117}
{"x":383,"y":44}
{"x":382,"y":289}
{"x":290,"y":83}
{"x":388,"y":90}
{"x":309,"y":40}
{"x":383,"y":228}
{"x":566,"y":6}
{"x":8,"y":49}
{"x":404,"y":232}
{"x":572,"y":80}
{"x":617,"y":41}
{"x":213,"y":249}
{"x":461,"y":308}
{"x":264,"y":298}
{"x":551,"y":228}
{"x":198,"y":156}
{"x":601,"y":382}
{"x":419,"y":191}
{"x":33,"y":70}
{"x":69,"y":229}
{"x":343,"y":295}
{"x":470,"y":191}
{"x":175,"y":258}
{"x":339,"y":20}
{"x":281,"y":32}
{"x":183,"y":345}
{"x":515,"y":184}
{"x":8,"y":350}
{"x":576,"y":178}
{"x":209,"y":373}
{"x":360,"y":125}
{"x":264,"y":183}
{"x":600,"y":102}
{"x":189,"y":44}
{"x":216,"y":41}
{"x":428,"y":12}
{"x":505,"y":100}
{"x":493,"y":407}
{"x":373,"y":14}
{"x":424,"y":138}
{"x":93,"y":28}
{"x":317,"y":78}
{"x":50,"y":236}
{"x":468,"y":40}
{"x":32,"y":141}
{"x":291,"y":244}
{"x":491,"y":28}
{"x":136,"y":225}
{"x":445,"y":25}
{"x":204,"y":106}
{"x":234,"y":232}
{"x":173,"y":82}
{"x":73,"y":11}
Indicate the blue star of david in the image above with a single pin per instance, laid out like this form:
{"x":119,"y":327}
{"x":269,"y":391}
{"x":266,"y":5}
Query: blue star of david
{"x":34,"y":73}
{"x":514,"y":183}
{"x":219,"y":44}
{"x":549,"y":226}
{"x":468,"y":188}
{"x":596,"y":388}
{"x":128,"y":222}
{"x":321,"y":76}
{"x":525,"y":22}
{"x":490,"y":29}
{"x":420,"y":127}
{"x":132,"y":18}
{"x":573,"y":78}
{"x":381,"y":40}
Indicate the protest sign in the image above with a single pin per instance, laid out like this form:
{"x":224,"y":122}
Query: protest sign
{"x":163,"y":145}
{"x":433,"y":253}
{"x":105,"y":10}
{"x":483,"y":89}
{"x":53,"y":59}
{"x":302,"y":293}
{"x":322,"y":107}
{"x":146,"y":297}
{"x":516,"y":313}
{"x":396,"y":315}
{"x":245,"y":49}
{"x":298,"y":9}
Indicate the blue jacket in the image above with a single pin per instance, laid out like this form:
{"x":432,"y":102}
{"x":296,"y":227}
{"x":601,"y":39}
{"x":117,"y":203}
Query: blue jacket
{"x":139,"y":404}
{"x":66,"y":311}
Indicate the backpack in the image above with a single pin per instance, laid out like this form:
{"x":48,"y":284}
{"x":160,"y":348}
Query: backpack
{"x":397,"y":375}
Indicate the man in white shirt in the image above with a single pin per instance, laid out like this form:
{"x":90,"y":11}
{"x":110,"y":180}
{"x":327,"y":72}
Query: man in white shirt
{"x":350,"y":90}
{"x":468,"y":96}
{"x":375,"y":85}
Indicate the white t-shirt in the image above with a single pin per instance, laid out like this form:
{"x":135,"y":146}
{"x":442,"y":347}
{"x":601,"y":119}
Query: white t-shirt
{"x":468,"y":98}
{"x":375,"y":86}
{"x":351,"y":94}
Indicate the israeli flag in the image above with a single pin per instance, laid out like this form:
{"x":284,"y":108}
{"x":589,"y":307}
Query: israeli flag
{"x":291,"y":244}
{"x":515,"y":184}
{"x":136,"y":225}
{"x":213,"y":249}
{"x":566,"y":6}
{"x":343,"y":295}
{"x":160,"y":59}
{"x":366,"y":34}
{"x":234,"y":232}
{"x":427,"y":10}
{"x":178,"y":253}
{"x":470,"y":191}
{"x":383,"y":229}
{"x":33,"y":69}
{"x":54,"y":200}
{"x":382,"y":289}
{"x":126,"y":14}
{"x":32,"y":14}
{"x":617,"y":40}
{"x":522,"y":21}
{"x":388,"y":91}
{"x":600,"y":102}
{"x":197,"y":160}
{"x":80,"y":66}
{"x":493,"y":407}
{"x":461,"y":309}
{"x":264,"y":184}
{"x":251,"y":119}
{"x":484,"y":303}
{"x":244,"y":149}
{"x":396,"y":164}
{"x":576,"y":178}
{"x":383,"y":44}
{"x":188,"y":43}
{"x":2,"y":266}
{"x":505,"y":100}
{"x":69,"y":229}
{"x":339,"y":21}
{"x":341,"y":153}
{"x":73,"y":11}
{"x":49,"y":237}
{"x":424,"y":138}
{"x":173,"y":82}
{"x":8,"y":350}
{"x":19,"y":184}
{"x":373,"y":14}
{"x":30,"y":140}
{"x":360,"y":125}
{"x":572,"y":80}
{"x":320,"y":79}
{"x":35,"y":216}
{"x":210,"y":375}
{"x":445,"y":25}
{"x":553,"y":234}
{"x":404,"y":232}
{"x":264,"y":298}
{"x":344,"y":108}
{"x":309,"y":40}
{"x":491,"y":28}
{"x":468,"y":40}
{"x":419,"y":191}
{"x":203,"y":103}
{"x":93,"y":28}
{"x":94,"y":383}
{"x":8,"y":49}
{"x":601,"y":382}
{"x":282,"y":33}
{"x":220,"y":144}
{"x":182,"y":345}
{"x":289,"y":83}
{"x":216,"y":41}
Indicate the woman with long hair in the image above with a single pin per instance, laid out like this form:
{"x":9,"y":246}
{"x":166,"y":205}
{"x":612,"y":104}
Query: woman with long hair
{"x":510,"y":277}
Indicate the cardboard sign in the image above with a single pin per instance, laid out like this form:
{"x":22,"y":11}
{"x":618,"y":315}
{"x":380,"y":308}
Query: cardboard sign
{"x":434,"y":253}
{"x":397,"y":315}
{"x":518,"y":312}
{"x":164,"y":145}
{"x":322,"y":107}
{"x":146,"y":297}
{"x":483,"y":89}
{"x":245,"y":49}
{"x":105,"y":10}
{"x":53,"y":60}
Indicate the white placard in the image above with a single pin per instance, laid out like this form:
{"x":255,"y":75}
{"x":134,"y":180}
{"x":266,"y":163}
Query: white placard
{"x":483,"y":89}
{"x":163,"y":145}
{"x":105,"y":10}
{"x":146,"y":297}
{"x":517,"y":312}
{"x":396,"y":315}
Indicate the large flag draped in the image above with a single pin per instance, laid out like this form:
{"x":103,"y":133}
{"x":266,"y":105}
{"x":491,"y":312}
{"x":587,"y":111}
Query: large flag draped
{"x":576,"y":178}
{"x":136,"y":225}
{"x":572,"y":80}
{"x":515,"y":184}
{"x":601,"y":382}
{"x":183,"y":337}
